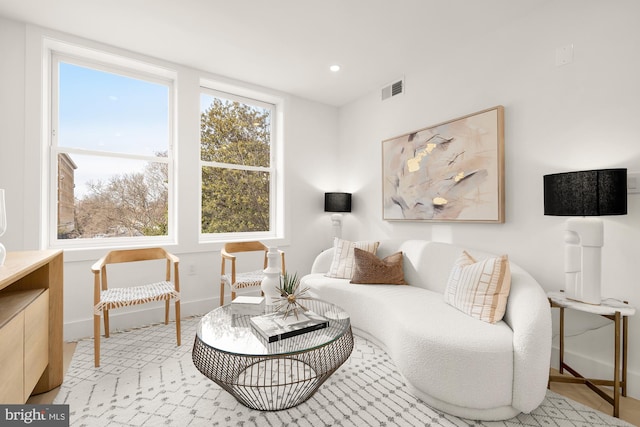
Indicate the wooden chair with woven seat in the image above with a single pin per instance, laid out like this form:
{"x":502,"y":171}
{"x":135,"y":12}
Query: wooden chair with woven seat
{"x":105,"y":298}
{"x":240,"y":280}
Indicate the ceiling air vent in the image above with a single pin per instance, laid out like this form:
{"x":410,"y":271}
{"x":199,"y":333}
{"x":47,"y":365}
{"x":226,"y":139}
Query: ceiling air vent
{"x":393,"y":89}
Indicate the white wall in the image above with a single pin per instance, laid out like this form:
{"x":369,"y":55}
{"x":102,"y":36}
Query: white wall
{"x":12,"y":57}
{"x":578,"y":116}
{"x":557,"y":118}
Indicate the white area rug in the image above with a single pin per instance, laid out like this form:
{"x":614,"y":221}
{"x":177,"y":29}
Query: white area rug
{"x":145,"y":380}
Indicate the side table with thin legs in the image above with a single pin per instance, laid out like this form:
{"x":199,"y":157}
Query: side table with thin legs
{"x":619,"y":313}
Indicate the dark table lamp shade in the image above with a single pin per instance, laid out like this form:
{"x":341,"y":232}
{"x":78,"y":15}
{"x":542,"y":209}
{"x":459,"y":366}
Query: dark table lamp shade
{"x":586,"y":193}
{"x":337,"y":202}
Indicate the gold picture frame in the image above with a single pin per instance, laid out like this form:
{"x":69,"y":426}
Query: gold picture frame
{"x":449,"y":172}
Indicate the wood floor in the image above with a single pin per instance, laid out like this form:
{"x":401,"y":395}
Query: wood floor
{"x":629,"y":408}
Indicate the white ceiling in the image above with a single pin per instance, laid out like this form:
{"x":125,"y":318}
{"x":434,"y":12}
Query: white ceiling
{"x":286,"y":45}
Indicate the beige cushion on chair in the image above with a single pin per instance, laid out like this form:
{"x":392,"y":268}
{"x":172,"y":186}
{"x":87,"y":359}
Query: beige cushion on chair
{"x":122,"y":297}
{"x":245,"y":280}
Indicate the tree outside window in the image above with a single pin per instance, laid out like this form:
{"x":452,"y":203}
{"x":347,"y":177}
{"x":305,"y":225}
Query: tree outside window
{"x":235,"y":152}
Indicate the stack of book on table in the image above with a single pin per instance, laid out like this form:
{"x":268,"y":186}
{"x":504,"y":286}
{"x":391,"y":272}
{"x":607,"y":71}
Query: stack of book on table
{"x":274,"y":326}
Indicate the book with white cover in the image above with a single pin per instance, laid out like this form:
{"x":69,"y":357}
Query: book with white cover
{"x":247,"y":300}
{"x":274,"y":327}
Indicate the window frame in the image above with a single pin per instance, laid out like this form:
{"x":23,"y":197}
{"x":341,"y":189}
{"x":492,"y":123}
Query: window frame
{"x":106,"y":62}
{"x":185,"y":200}
{"x":275,"y":164}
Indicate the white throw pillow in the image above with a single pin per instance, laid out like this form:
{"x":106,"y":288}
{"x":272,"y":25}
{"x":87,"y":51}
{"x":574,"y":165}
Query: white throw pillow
{"x":479,"y":288}
{"x":343,"y":258}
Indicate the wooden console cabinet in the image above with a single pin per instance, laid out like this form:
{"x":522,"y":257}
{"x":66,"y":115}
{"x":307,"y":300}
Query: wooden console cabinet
{"x":31,"y":290}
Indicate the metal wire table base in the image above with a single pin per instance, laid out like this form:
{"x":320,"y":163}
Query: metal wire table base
{"x":273,"y":382}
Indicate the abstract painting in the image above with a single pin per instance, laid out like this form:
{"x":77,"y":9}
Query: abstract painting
{"x":453,"y":171}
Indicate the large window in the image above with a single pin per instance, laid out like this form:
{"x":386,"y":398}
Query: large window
{"x":111,"y":153}
{"x":237,"y":166}
{"x":114,"y":174}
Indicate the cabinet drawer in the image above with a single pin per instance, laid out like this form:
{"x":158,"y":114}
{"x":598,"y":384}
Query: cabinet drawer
{"x":36,"y":341}
{"x":11,"y":360}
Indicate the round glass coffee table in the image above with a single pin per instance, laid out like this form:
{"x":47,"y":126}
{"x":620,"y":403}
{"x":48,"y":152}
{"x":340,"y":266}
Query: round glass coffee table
{"x":270,"y":376}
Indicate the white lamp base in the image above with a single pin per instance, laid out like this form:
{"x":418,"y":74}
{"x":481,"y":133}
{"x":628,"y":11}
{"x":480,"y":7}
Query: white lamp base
{"x":584,"y":239}
{"x":336,"y":221}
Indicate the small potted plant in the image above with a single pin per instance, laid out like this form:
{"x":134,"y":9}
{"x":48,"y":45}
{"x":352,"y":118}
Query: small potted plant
{"x":291,"y":295}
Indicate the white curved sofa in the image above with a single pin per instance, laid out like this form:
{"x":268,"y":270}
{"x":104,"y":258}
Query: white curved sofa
{"x":451,"y":361}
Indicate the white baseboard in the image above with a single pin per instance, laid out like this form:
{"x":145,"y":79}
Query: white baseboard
{"x":593,"y":368}
{"x":145,"y":315}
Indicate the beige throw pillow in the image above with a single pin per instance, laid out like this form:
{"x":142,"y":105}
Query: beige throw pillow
{"x":479,"y":288}
{"x":369,"y":269}
{"x":343,"y":258}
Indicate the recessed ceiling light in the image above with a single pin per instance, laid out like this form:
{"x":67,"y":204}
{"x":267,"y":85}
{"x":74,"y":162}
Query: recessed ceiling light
{"x":335,"y":68}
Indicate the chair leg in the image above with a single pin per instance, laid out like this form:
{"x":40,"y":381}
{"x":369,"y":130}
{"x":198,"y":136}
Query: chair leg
{"x":166,"y":312}
{"x":221,"y":293}
{"x":106,"y":323}
{"x":96,"y":340}
{"x":178,"y":333}
{"x":233,"y":295}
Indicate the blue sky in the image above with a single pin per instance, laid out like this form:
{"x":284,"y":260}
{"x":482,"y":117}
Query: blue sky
{"x":110,"y":112}
{"x":100,"y":110}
